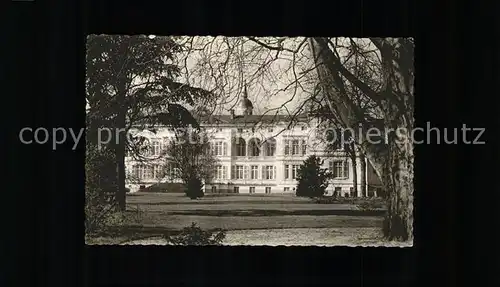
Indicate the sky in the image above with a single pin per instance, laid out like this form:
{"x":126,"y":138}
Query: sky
{"x":270,"y":81}
{"x":225,"y":64}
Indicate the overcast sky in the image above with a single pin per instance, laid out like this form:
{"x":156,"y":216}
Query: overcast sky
{"x":225,"y":64}
{"x":270,"y":80}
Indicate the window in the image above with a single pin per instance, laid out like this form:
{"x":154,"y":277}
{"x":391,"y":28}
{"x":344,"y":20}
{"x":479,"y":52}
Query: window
{"x":136,"y":171}
{"x":240,"y":147}
{"x":146,"y":148}
{"x":287,"y":147}
{"x":219,"y":172}
{"x":295,"y":170}
{"x":339,"y":168}
{"x":270,"y":147}
{"x":269,"y":172}
{"x":165,"y":141}
{"x":295,"y":147}
{"x":268,"y":189}
{"x":254,"y":148}
{"x":304,"y":147}
{"x":337,"y":191}
{"x":254,"y":172}
{"x":218,"y":148}
{"x":303,"y":128}
{"x":245,"y":172}
{"x":214,"y":189}
{"x":237,"y":171}
{"x":158,"y":171}
{"x":236,"y":189}
{"x":172,"y":170}
{"x":156,"y":148}
{"x":148,"y":172}
{"x":251,"y":189}
{"x":240,"y":130}
{"x":286,"y":189}
{"x":291,"y":171}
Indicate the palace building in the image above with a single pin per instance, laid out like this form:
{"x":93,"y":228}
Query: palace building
{"x":256,"y":154}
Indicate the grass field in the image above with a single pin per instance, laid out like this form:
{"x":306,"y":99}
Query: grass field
{"x":276,"y":219}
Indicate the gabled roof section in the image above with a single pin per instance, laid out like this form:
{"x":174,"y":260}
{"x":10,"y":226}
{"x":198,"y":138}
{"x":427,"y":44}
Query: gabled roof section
{"x":249,"y":119}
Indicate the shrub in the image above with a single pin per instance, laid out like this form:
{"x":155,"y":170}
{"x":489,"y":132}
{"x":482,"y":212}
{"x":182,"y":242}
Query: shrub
{"x":326,"y":200}
{"x":100,"y":214}
{"x":194,"y":235}
{"x":194,"y":188}
{"x":312,"y":179}
{"x":370,"y":205}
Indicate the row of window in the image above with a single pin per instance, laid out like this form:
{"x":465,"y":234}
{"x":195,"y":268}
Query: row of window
{"x":142,"y":171}
{"x":295,"y":147}
{"x":251,"y":189}
{"x":339,"y":168}
{"x":254,"y":147}
{"x":291,"y":171}
{"x":154,"y":171}
{"x":219,"y":148}
{"x":240,"y":130}
{"x":268,"y":172}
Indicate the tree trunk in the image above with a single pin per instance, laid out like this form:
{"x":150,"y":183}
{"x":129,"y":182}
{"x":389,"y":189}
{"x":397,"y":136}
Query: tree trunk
{"x":362,"y":160}
{"x":354,"y":172}
{"x":119,"y":142}
{"x":393,"y":165}
{"x":398,"y":181}
{"x":120,"y":174}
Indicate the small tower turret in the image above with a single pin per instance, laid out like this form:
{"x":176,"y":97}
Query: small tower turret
{"x":246,"y":106}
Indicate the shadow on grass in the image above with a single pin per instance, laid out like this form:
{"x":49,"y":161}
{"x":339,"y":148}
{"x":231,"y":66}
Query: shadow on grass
{"x":263,"y":212}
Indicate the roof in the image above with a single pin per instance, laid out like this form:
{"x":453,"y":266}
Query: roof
{"x":243,"y":120}
{"x":249,"y":119}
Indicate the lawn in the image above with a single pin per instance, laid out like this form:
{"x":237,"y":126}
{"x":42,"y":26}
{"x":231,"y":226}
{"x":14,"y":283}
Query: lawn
{"x":256,"y":219}
{"x":247,"y":211}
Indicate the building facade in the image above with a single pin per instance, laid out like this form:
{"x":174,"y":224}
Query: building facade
{"x":256,"y":154}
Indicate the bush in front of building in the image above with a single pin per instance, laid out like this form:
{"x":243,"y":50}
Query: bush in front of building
{"x":313,"y":180}
{"x":194,"y":188}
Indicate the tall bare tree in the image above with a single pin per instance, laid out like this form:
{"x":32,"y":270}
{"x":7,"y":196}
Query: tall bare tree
{"x":190,"y":154}
{"x":290,"y":68}
{"x":394,"y":164}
